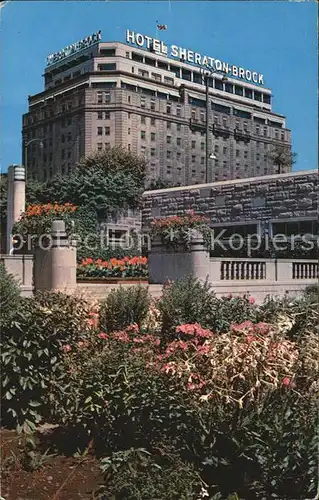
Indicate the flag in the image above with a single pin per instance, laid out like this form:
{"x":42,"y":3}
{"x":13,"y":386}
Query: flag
{"x":162,"y":27}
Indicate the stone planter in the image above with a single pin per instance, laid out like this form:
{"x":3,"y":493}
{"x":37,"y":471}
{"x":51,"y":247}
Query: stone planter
{"x":173,"y":264}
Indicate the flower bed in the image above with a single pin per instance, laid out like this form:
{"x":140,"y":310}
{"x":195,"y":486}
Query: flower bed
{"x":177,"y":230}
{"x":128,"y":267}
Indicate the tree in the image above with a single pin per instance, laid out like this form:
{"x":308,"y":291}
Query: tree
{"x":161,"y":184}
{"x":283,"y":158}
{"x":107,"y":182}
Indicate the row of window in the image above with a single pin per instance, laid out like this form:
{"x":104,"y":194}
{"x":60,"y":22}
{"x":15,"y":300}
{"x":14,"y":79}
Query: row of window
{"x":196,"y":77}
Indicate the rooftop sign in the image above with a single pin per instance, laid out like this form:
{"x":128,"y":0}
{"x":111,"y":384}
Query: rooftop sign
{"x":75,"y":47}
{"x":190,"y":56}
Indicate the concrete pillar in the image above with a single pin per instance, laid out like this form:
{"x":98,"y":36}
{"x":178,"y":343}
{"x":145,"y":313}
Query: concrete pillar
{"x":55,"y":265}
{"x":16,"y":200}
{"x":168,"y":264}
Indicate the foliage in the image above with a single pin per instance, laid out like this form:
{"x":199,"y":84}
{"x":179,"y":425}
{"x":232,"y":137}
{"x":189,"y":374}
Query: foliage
{"x":123,"y":268}
{"x":9,"y":294}
{"x":241,"y":407}
{"x":107,"y":182}
{"x":32,"y":346}
{"x":190,"y":301}
{"x":123,"y":307}
{"x":161,"y":184}
{"x":282,"y":157}
{"x":176,"y":231}
{"x":137,"y":473}
{"x":185,"y":301}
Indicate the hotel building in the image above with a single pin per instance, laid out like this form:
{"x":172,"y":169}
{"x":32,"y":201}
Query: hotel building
{"x":113,"y":93}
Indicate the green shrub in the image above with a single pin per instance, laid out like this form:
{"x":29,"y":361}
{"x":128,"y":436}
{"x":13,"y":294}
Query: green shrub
{"x":9,"y":294}
{"x":185,"y":301}
{"x":192,"y":301}
{"x":123,"y":307}
{"x":137,"y":474}
{"x":32,"y":350}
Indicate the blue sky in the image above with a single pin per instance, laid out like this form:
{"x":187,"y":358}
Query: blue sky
{"x":278,"y":39}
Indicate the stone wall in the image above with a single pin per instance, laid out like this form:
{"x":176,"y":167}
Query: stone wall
{"x":273,"y":197}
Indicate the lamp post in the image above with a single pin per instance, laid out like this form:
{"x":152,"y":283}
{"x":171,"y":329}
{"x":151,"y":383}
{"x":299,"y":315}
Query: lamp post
{"x":26,"y":145}
{"x":207,"y":124}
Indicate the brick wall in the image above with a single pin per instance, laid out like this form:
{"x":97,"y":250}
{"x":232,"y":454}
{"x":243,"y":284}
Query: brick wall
{"x":293,"y":195}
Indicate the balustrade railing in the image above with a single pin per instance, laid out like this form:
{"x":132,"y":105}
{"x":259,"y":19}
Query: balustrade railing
{"x":242,"y":270}
{"x":305,"y":270}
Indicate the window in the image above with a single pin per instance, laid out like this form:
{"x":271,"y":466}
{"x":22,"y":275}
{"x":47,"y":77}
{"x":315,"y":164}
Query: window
{"x":239,"y":90}
{"x":229,"y":87}
{"x":202,"y":116}
{"x":178,"y":156}
{"x":186,"y":75}
{"x":129,"y":131}
{"x":193,"y":144}
{"x":162,"y":65}
{"x":168,"y":109}
{"x":152,"y":151}
{"x":193,"y":114}
{"x":248,"y":93}
{"x":257,"y":129}
{"x":107,"y":145}
{"x":69,"y":120}
{"x":219,"y":85}
{"x":100,"y":115}
{"x":129,"y":99}
{"x":202,"y":160}
{"x":153,"y":136}
{"x":106,"y":67}
{"x":143,"y":134}
{"x":143,"y":120}
{"x":224,"y":150}
{"x":168,"y":125}
{"x":150,"y":61}
{"x":178,"y":111}
{"x":266,"y":98}
{"x":108,"y":52}
{"x":156,"y":77}
{"x":202,"y":146}
{"x":257,"y":96}
{"x":265,"y":131}
{"x":69,"y":136}
{"x":99,"y":146}
{"x":143,"y":73}
{"x":193,"y":159}
{"x":107,"y":130}
{"x":168,"y":139}
{"x":178,"y":127}
{"x":153,"y":121}
{"x":169,"y":80}
{"x":62,"y":153}
{"x":152,"y":104}
{"x":178,"y":141}
{"x":127,"y":55}
{"x":237,"y":153}
{"x":257,"y":156}
{"x":168,"y":154}
{"x":142,"y":102}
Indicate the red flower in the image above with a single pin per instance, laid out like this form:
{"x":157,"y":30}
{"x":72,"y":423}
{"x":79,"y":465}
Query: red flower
{"x":134,"y":328}
{"x":252,"y":300}
{"x":103,"y":336}
{"x":66,"y":348}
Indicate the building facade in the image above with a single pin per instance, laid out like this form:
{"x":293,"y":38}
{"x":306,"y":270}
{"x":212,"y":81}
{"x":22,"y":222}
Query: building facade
{"x":112,"y":93}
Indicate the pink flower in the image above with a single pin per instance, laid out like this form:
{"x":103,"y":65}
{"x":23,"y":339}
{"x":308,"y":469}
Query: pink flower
{"x":134,"y":328}
{"x":250,"y":338}
{"x":246,"y":325}
{"x":252,"y":300}
{"x":286,"y":381}
{"x":66,"y":348}
{"x":103,"y":336}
